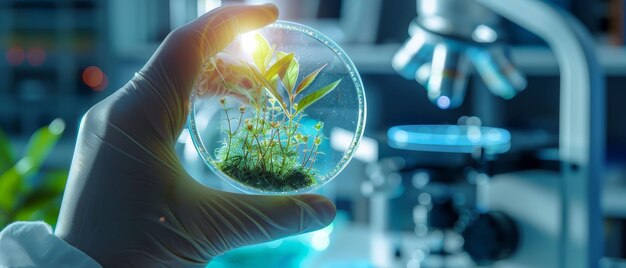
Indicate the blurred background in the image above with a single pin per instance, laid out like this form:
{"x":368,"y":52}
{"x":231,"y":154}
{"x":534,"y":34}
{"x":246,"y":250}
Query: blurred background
{"x":402,"y":204}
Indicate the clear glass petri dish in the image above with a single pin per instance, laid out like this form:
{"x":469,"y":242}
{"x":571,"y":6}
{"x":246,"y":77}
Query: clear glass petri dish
{"x":264,"y":111}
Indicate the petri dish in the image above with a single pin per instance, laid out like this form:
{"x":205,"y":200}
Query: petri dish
{"x":449,"y":138}
{"x":264,"y":110}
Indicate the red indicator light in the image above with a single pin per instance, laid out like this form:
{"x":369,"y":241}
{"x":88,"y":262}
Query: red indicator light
{"x":93,"y":76}
{"x":15,"y":56}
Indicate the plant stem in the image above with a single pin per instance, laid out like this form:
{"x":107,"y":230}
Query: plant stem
{"x":313,"y":149}
{"x":245,"y":143}
{"x":282,"y":164}
{"x":261,"y":153}
{"x":271,"y":157}
{"x":312,"y":162}
{"x":239,"y":123}
{"x":230,"y":133}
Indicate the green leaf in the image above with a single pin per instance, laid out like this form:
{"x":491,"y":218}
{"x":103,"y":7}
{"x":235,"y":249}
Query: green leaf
{"x":55,"y":180}
{"x":7,"y":158}
{"x":279,"y":67}
{"x":261,"y":54}
{"x":42,"y":142}
{"x":274,"y":82}
{"x":270,"y":88}
{"x":33,"y":202}
{"x":315,"y":96}
{"x":291,"y":75}
{"x":12,"y":182}
{"x":308,"y":79}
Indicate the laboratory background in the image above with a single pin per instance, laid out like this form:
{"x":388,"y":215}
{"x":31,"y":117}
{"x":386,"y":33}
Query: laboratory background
{"x":495,"y":135}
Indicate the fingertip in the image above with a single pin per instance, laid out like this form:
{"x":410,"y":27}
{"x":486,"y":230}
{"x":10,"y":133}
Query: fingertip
{"x":264,"y":15}
{"x":272,"y":11}
{"x":324,"y":208}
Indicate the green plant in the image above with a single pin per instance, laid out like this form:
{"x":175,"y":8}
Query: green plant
{"x":264,"y":147}
{"x":27,"y":193}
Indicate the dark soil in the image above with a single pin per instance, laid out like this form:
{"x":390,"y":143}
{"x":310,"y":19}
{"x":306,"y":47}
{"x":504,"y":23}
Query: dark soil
{"x":266,"y":180}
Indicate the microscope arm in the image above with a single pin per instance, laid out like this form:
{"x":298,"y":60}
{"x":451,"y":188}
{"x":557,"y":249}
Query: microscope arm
{"x":581,"y":116}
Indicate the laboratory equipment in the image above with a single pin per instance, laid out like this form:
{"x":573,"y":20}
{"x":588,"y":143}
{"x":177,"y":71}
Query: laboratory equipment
{"x":262,"y":110}
{"x":452,"y":222}
{"x":449,"y":35}
{"x":444,"y":45}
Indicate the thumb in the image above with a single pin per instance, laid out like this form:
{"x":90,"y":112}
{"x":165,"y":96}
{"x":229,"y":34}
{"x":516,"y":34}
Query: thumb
{"x":163,"y":86}
{"x":186,"y":49}
{"x":250,"y":219}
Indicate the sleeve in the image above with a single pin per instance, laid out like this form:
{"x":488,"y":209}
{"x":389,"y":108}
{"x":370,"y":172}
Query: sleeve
{"x":32,"y":244}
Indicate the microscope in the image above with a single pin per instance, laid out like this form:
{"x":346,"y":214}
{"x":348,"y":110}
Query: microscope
{"x":469,"y":208}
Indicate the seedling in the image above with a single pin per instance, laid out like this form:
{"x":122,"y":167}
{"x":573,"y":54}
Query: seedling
{"x":263,"y":145}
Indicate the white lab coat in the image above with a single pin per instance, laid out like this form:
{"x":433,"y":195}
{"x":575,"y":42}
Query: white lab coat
{"x":32,"y":244}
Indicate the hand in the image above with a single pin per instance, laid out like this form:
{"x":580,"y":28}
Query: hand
{"x":129,"y":202}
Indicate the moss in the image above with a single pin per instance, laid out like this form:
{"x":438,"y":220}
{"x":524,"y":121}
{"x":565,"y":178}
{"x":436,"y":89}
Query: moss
{"x":266,"y":151}
{"x":266,"y":180}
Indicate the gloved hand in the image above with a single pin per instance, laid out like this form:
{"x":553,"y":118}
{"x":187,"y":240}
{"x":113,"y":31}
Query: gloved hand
{"x":129,"y":202}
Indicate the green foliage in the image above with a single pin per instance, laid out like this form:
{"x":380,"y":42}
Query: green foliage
{"x":287,"y":68}
{"x":264,"y":147}
{"x":290,"y":77}
{"x":263,"y":54}
{"x":279,"y":67}
{"x":26,"y":193}
{"x":315,"y":96}
{"x":6,"y":153}
{"x":308,"y":79}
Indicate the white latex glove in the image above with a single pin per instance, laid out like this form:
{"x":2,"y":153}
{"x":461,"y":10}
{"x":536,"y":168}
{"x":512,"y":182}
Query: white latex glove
{"x":129,"y":202}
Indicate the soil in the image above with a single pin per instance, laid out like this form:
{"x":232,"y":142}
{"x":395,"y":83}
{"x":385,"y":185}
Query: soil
{"x":266,"y":180}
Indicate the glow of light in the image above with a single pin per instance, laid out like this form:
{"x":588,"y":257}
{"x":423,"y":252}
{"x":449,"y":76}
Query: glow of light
{"x":436,"y":72}
{"x":327,"y":230}
{"x":189,"y":151}
{"x":422,"y":74}
{"x":401,"y":136}
{"x":274,"y":244}
{"x":15,"y":56}
{"x":473,"y":134}
{"x":424,"y":198}
{"x":429,"y":6}
{"x":184,"y":135}
{"x":320,"y":241}
{"x":367,"y":150}
{"x":443,"y":102}
{"x":484,"y":34}
{"x":57,"y":126}
{"x":418,"y":255}
{"x":379,"y":244}
{"x":452,"y":132}
{"x":408,"y":51}
{"x":473,"y":121}
{"x":494,"y":135}
{"x":103,"y":85}
{"x":36,"y":56}
{"x":94,"y":78}
{"x":413,"y":264}
{"x":248,"y":43}
{"x":24,"y":165}
{"x":420,"y":179}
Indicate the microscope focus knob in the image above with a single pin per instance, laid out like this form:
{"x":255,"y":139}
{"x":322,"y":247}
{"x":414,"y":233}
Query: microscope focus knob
{"x":491,"y":237}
